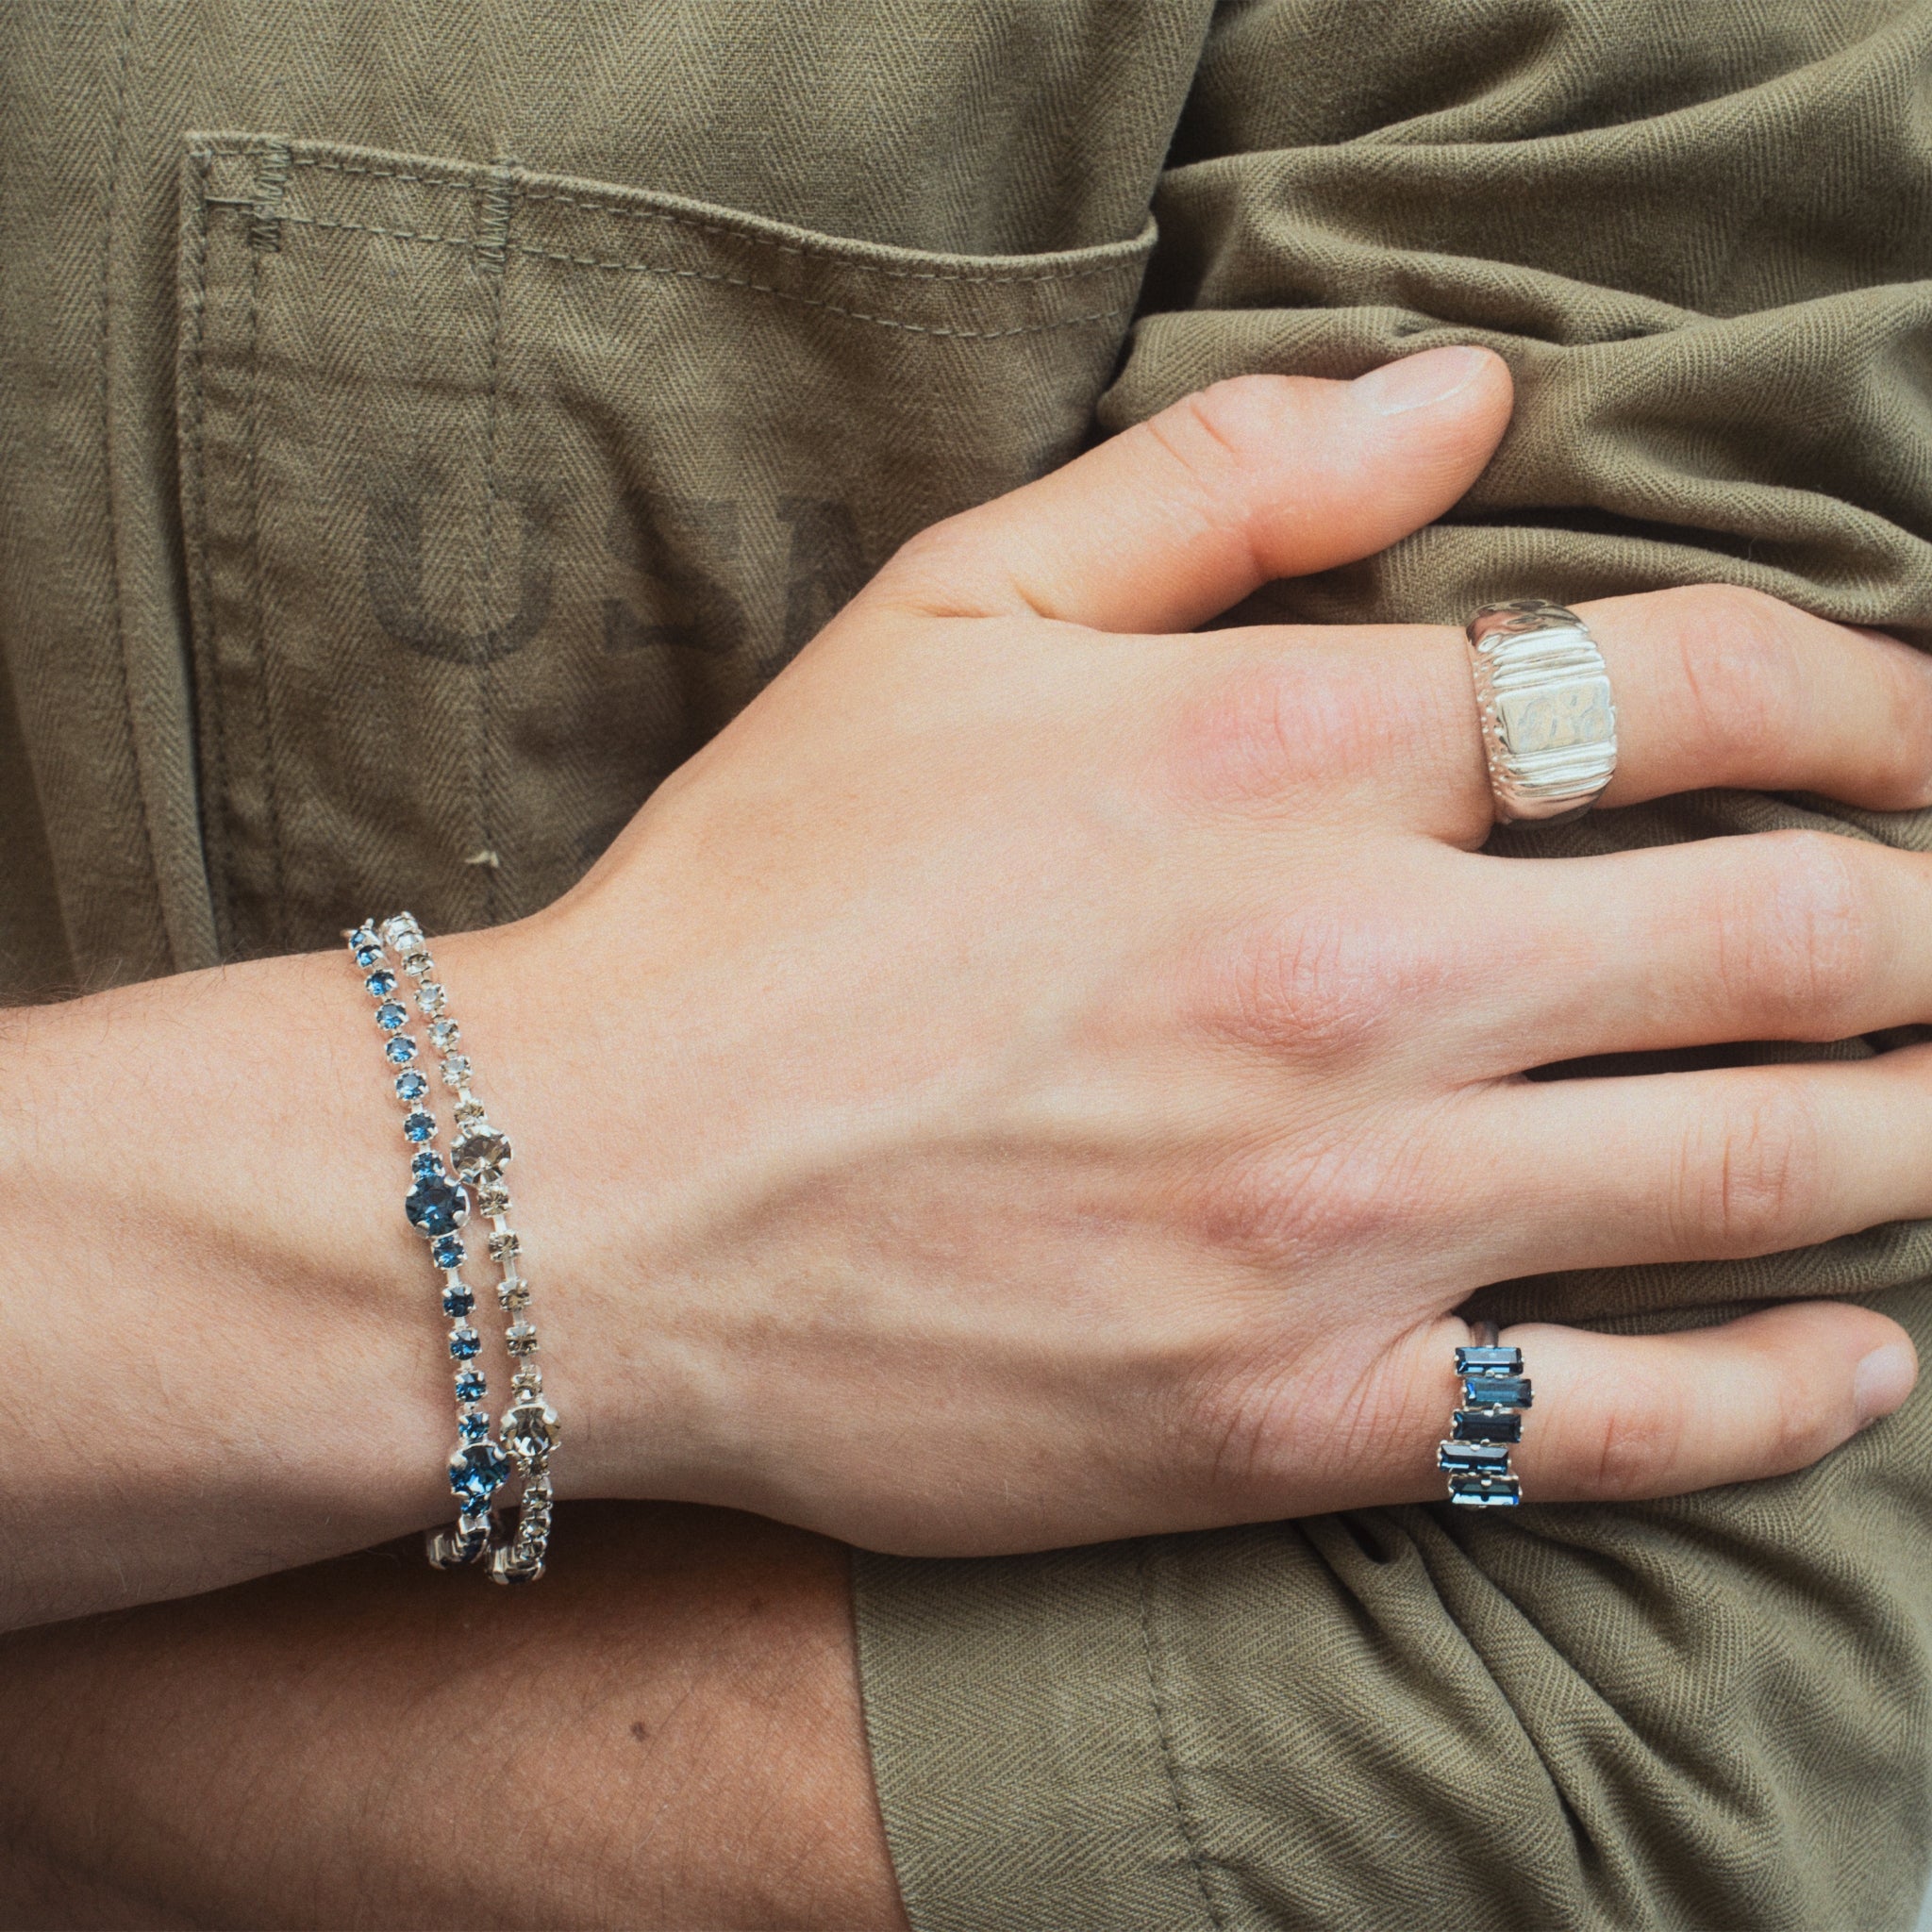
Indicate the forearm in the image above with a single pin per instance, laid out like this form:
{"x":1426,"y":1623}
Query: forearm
{"x":668,"y":1733}
{"x":225,"y":1352}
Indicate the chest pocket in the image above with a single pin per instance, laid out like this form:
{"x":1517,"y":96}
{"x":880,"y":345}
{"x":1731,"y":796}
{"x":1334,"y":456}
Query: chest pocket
{"x":503,"y":492}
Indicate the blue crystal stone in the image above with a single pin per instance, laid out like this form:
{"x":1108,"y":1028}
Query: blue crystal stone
{"x":1488,"y":1361}
{"x":457,"y":1300}
{"x":1496,"y":1392}
{"x":463,"y":1343}
{"x":473,"y":1427}
{"x":401,"y":1050}
{"x":367,"y":954}
{"x":412,"y":1085}
{"x":476,"y":1471}
{"x":1474,"y":1459}
{"x":426,"y":1163}
{"x":447,"y":1251}
{"x":391,"y":1015}
{"x":436,"y":1205}
{"x":1487,"y":1425}
{"x":380,"y":983}
{"x":419,"y":1126}
{"x":471,"y":1387}
{"x":1486,"y":1491}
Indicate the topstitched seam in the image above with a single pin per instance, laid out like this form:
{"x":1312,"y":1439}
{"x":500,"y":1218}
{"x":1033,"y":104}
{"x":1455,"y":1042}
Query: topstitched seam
{"x":829,"y":253}
{"x":647,"y":268}
{"x":220,"y":858}
{"x":492,"y":253}
{"x":261,"y":228}
{"x":1184,"y":1817}
{"x":115,"y":588}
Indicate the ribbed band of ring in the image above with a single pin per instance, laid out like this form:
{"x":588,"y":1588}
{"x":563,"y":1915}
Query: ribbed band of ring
{"x":1549,"y":720}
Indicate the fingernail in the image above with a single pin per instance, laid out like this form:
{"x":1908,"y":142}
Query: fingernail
{"x":1417,"y":381}
{"x":1883,"y":1380}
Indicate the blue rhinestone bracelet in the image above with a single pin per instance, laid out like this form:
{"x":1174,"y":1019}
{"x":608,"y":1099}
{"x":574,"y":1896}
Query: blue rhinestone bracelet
{"x":438,"y":1207}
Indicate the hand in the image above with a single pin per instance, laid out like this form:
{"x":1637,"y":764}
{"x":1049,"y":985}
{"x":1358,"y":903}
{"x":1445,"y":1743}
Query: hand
{"x":1041,"y":1075}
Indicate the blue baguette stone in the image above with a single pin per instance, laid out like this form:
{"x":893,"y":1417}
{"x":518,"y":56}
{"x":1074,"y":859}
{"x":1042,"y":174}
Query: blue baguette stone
{"x":1474,"y":1459}
{"x":1485,"y":1491}
{"x":1496,"y":1392}
{"x":1488,"y":1361}
{"x":1486,"y":1425}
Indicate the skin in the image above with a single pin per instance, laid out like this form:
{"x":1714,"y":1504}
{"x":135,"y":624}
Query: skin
{"x":1051,"y":1074}
{"x":1016,"y":1165}
{"x":668,"y":1733}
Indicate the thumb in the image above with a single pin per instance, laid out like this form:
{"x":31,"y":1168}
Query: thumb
{"x":1262,"y":476}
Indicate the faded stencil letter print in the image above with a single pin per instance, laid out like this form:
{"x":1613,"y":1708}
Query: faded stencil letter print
{"x":393,"y":570}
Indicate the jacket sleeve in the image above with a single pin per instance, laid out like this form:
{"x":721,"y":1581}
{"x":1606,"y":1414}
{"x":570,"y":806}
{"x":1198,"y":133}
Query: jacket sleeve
{"x":1702,"y":237}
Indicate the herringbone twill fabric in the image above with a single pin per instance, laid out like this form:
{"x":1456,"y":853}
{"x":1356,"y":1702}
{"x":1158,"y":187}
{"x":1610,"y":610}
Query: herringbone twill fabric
{"x":424,"y":424}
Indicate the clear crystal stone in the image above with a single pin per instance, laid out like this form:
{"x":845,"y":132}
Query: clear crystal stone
{"x":513,"y":1293}
{"x":480,"y":1146}
{"x":530,"y":1432}
{"x":445,"y":1036}
{"x":505,"y":1246}
{"x":431,"y":999}
{"x":418,"y":964}
{"x":527,"y":1380}
{"x":467,"y":1110}
{"x":455,"y":1070}
{"x":492,"y":1197}
{"x":400,"y":927}
{"x":520,"y":1338}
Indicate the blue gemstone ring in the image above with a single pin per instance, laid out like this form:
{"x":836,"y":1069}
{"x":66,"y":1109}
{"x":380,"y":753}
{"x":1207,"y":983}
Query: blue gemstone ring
{"x":1487,"y":1422}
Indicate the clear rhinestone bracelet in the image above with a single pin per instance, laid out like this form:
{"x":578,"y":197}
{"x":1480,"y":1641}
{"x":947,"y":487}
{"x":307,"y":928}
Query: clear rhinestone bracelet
{"x":478,"y":1152}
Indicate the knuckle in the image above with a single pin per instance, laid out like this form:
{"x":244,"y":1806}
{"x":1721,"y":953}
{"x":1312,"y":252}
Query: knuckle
{"x":1799,"y":940}
{"x":1739,"y":665}
{"x":1751,"y":1176}
{"x":1637,"y":1446}
{"x":1265,"y":728}
{"x":1317,"y":985}
{"x":1291,"y":1206}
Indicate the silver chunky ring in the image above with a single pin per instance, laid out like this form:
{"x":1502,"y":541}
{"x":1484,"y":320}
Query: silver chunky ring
{"x":1549,"y":721}
{"x":1487,"y":1424}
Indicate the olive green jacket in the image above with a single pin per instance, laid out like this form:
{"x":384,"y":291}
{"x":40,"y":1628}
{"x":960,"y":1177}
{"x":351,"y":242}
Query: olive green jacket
{"x":424,"y":422}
